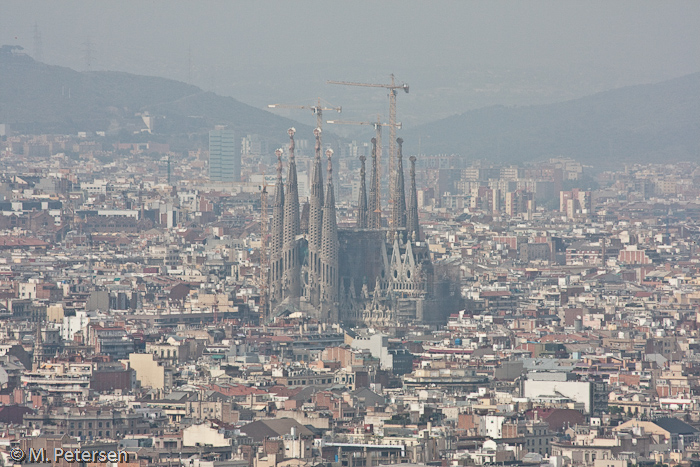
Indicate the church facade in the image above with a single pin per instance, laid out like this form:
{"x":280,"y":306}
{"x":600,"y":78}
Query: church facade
{"x":368,"y":275}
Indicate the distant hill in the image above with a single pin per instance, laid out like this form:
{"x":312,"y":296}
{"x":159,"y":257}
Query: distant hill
{"x":637,"y":123}
{"x":36,"y":97}
{"x":658,"y":122}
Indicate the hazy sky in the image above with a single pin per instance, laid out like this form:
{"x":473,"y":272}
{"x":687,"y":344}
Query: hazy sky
{"x":455,"y":55}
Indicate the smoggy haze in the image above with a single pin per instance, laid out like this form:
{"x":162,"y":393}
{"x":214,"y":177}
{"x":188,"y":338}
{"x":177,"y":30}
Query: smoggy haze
{"x":455,"y":56}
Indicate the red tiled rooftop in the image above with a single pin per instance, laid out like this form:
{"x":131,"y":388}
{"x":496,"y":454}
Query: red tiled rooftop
{"x":497,"y":293}
{"x":281,"y":339}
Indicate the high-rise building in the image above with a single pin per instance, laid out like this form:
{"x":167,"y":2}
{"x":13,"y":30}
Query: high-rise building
{"x":575,"y":202}
{"x":224,"y":156}
{"x":520,"y":202}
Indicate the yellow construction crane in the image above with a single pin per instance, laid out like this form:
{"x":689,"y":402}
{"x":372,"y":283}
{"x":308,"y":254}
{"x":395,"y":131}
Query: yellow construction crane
{"x":393,"y":88}
{"x":378,"y":127}
{"x":316,"y":109}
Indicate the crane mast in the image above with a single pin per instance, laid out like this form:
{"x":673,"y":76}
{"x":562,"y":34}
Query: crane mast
{"x":392,"y":138}
{"x":393,"y":92}
{"x":263,"y":251}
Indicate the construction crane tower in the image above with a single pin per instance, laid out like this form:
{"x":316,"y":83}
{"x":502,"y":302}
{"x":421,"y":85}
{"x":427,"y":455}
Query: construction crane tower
{"x":316,"y":109}
{"x":263,"y":251}
{"x":393,"y":88}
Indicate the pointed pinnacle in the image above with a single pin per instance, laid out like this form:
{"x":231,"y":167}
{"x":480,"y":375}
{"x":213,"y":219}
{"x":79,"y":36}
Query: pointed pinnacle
{"x":329,"y":153}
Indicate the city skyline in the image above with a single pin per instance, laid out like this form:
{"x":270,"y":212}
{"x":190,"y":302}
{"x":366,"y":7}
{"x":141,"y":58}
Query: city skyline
{"x":498,"y":265}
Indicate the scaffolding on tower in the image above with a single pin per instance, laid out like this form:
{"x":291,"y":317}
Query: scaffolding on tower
{"x":378,"y":128}
{"x":393,"y":88}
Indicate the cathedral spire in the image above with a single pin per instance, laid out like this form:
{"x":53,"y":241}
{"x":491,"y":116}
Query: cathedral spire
{"x":375,"y":206}
{"x":290,"y":253}
{"x":38,"y":357}
{"x":398,"y":210}
{"x":412,"y":227}
{"x":362,"y":201}
{"x":315,"y":222}
{"x":276,"y":240}
{"x":329,"y":248}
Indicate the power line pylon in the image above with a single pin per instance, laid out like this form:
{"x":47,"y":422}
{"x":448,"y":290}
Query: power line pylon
{"x":88,"y":53}
{"x":38,"y":44}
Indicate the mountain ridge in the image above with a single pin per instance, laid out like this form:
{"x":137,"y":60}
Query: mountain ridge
{"x":51,"y":98}
{"x":634,"y":123}
{"x":641,"y":122}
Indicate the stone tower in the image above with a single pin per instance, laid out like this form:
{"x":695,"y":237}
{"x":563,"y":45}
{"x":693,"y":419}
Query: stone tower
{"x":315,"y":224}
{"x":329,"y":251}
{"x":38,"y":357}
{"x":412,"y":226}
{"x":398,"y":210}
{"x":375,"y":207}
{"x":362,"y":199}
{"x":276,"y":237}
{"x":291,"y":278}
